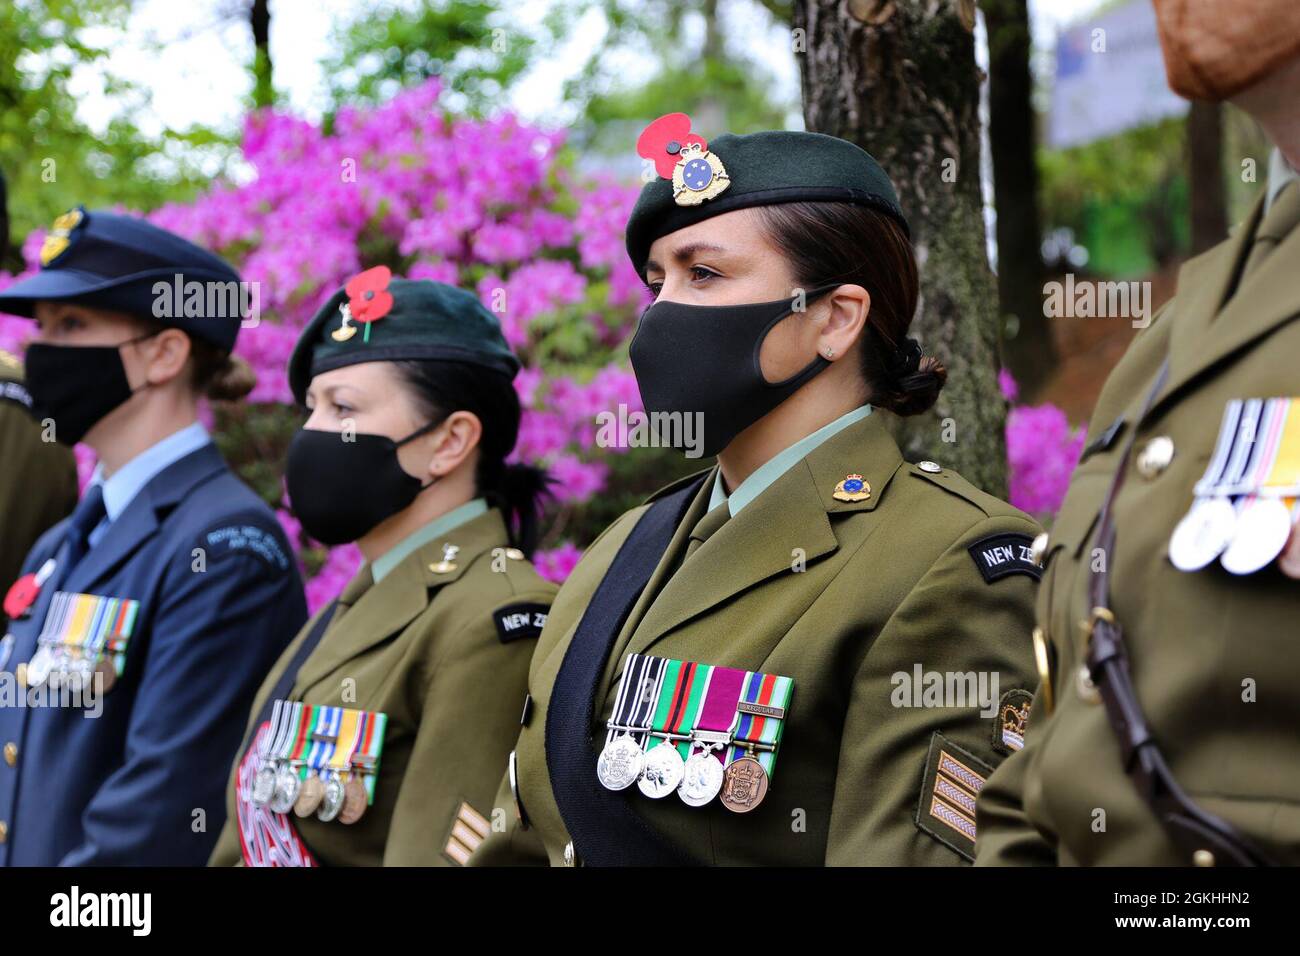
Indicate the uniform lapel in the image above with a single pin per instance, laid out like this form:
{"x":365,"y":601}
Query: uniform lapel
{"x":758,"y":543}
{"x":142,"y":517}
{"x":393,"y":602}
{"x":1207,"y":330}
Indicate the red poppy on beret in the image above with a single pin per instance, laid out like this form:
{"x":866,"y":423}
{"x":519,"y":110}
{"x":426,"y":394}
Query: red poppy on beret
{"x":662,"y":141}
{"x":368,"y":295}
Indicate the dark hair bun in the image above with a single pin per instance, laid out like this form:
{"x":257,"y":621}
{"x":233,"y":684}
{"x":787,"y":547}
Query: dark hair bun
{"x":916,"y":392}
{"x":231,"y":381}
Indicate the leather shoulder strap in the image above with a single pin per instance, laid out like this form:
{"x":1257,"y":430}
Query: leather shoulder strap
{"x":606,"y":831}
{"x":1192,"y":829}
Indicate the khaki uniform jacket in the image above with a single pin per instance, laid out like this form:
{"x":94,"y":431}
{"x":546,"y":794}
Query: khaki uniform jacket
{"x":889,"y":586}
{"x":426,"y":649}
{"x":1196,"y":641}
{"x":38,"y":484}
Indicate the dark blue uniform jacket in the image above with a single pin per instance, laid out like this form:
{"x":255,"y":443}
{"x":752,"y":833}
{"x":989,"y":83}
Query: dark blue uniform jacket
{"x":144,"y":781}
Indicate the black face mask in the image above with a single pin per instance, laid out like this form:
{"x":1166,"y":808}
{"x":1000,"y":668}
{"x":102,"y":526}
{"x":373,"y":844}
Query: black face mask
{"x":340,"y":489}
{"x":77,"y":385}
{"x":703,"y":359}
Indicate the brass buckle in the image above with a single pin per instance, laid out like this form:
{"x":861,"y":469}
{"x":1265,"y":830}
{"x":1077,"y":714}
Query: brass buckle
{"x":1098,"y":614}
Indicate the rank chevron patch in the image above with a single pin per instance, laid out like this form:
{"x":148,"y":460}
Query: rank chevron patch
{"x":952,"y":781}
{"x":468,"y":830}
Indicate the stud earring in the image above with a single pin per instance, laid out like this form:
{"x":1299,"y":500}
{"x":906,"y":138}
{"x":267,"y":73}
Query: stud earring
{"x":830,"y":352}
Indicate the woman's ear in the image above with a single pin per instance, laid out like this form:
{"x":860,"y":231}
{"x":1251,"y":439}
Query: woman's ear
{"x":164,"y":356}
{"x":849,"y":305}
{"x":454,"y":441}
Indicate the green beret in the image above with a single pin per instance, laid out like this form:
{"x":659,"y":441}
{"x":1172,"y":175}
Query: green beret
{"x":764,"y":169}
{"x":376,"y":318}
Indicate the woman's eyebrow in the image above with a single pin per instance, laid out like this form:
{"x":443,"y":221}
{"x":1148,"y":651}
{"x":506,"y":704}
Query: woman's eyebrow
{"x":693,"y":249}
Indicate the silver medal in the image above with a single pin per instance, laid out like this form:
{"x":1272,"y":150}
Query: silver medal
{"x":38,"y":668}
{"x":1203,"y":534}
{"x":332,"y":802}
{"x":287,"y":786}
{"x":1262,"y":532}
{"x":702,"y":780}
{"x":662,"y":772}
{"x":264,"y":785}
{"x":620,"y":763}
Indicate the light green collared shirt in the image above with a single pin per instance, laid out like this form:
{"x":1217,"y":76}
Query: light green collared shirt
{"x":434,"y":529}
{"x":774,"y":468}
{"x":1280,"y":173}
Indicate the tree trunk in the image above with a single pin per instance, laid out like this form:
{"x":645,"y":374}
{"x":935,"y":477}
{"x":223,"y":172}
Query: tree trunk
{"x":259,"y":18}
{"x":898,"y":77}
{"x":1029,"y":342}
{"x":1205,"y":171}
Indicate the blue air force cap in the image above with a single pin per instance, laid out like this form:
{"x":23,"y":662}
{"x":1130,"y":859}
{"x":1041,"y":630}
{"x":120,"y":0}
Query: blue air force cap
{"x":112,"y":261}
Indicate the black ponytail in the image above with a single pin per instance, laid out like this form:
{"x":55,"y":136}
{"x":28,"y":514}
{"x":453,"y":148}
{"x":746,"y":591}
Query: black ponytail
{"x":518,"y":490}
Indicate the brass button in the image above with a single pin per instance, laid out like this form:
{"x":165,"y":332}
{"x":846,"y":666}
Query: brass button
{"x":4,"y":831}
{"x":20,"y":674}
{"x":1038,"y":549}
{"x":570,"y":855}
{"x":1155,"y":457}
{"x":11,"y":753}
{"x":1203,"y":858}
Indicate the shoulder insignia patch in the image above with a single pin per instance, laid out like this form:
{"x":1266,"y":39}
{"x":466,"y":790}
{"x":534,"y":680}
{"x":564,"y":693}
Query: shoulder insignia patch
{"x":238,"y":538}
{"x":520,"y":620}
{"x":468,"y":830}
{"x":15,"y":392}
{"x":1010,"y":721}
{"x":952,"y":780}
{"x":999,"y":555}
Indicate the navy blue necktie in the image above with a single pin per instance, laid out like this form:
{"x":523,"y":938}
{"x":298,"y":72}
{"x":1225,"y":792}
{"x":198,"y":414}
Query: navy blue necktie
{"x":90,"y":511}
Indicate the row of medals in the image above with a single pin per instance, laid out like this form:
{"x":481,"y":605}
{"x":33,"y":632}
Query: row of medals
{"x":59,"y":665}
{"x":278,"y":787}
{"x":660,"y":770}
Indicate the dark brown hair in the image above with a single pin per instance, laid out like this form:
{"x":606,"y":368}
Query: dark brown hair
{"x":219,"y":375}
{"x":215,"y":373}
{"x":441,"y":387}
{"x":829,"y":242}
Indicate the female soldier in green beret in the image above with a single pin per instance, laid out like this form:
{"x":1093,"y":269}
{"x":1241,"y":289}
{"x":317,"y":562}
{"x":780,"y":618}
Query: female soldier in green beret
{"x":806,"y":654}
{"x":379,"y":736}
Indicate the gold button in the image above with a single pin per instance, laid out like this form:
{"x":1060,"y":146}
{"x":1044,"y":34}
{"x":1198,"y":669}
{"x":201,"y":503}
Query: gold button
{"x":4,"y":831}
{"x":11,"y":753}
{"x":1155,"y":457}
{"x":570,"y":855}
{"x":1203,"y":858}
{"x":20,"y":674}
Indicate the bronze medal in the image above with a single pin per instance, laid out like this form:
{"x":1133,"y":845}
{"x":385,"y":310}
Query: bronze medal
{"x":310,"y":796}
{"x":354,"y":800}
{"x":744,"y":785}
{"x":107,"y":674}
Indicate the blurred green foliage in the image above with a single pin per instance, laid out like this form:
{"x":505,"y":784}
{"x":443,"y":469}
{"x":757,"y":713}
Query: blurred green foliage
{"x":51,"y":159}
{"x":471,"y":45}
